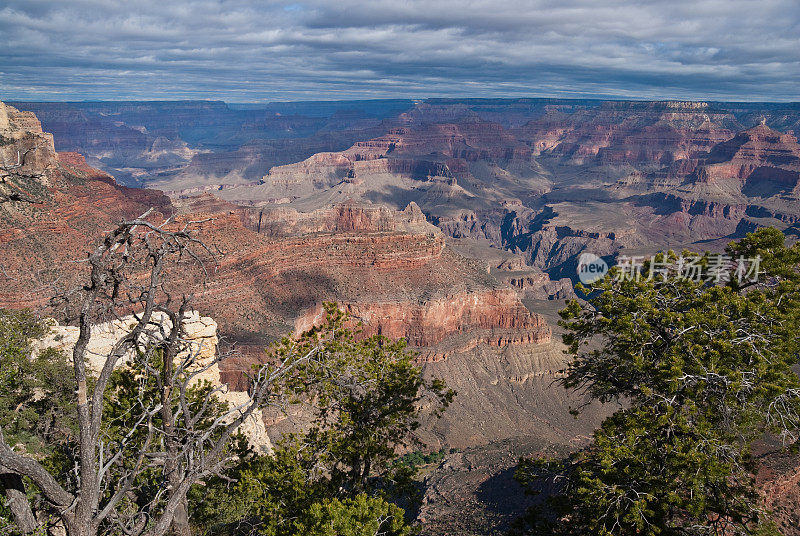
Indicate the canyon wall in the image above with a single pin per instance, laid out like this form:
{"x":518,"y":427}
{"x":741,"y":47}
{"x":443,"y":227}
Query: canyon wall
{"x":446,"y":325}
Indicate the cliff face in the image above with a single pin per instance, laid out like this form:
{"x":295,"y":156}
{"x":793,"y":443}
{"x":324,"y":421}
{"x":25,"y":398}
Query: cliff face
{"x":21,"y":137}
{"x":344,"y":218}
{"x":750,"y":180}
{"x":703,"y":182}
{"x":470,"y":140}
{"x":759,"y":161}
{"x":442,"y":326}
{"x":631,"y":133}
{"x":371,"y":220}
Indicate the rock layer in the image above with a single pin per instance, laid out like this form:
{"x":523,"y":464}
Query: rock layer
{"x":495,"y":318}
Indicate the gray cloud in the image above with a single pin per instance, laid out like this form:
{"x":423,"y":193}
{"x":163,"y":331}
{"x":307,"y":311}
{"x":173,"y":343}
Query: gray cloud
{"x":250,"y":50}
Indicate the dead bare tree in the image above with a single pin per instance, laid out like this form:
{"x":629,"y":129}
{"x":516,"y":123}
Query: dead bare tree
{"x":181,"y":439}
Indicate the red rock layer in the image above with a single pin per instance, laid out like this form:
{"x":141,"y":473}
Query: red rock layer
{"x":630,"y":132}
{"x":494,"y":317}
{"x":759,"y":154}
{"x":343,"y":218}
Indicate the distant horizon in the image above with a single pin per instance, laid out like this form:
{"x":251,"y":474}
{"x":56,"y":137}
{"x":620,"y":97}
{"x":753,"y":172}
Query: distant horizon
{"x":391,"y":99}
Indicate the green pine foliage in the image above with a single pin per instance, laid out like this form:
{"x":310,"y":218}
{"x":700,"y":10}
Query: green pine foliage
{"x":702,"y":372}
{"x":360,"y":516}
{"x":419,"y":458}
{"x":37,"y":408}
{"x":339,"y":476}
{"x":36,"y":391}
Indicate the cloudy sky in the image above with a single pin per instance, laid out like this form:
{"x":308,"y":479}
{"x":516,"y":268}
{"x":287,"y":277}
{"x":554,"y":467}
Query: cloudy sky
{"x":256,"y":51}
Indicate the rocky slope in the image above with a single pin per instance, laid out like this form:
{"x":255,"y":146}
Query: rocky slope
{"x":473,"y":492}
{"x":780,"y":485}
{"x":42,"y":242}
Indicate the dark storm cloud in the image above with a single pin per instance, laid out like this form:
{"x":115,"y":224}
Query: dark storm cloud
{"x":248,"y":50}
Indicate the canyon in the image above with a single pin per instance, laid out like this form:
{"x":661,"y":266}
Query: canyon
{"x":453,"y":223}
{"x":544,"y":178}
{"x":274,"y":266}
{"x":550,"y":180}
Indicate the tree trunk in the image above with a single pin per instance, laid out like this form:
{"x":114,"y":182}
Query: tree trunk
{"x":18,"y":502}
{"x":180,"y":522}
{"x":173,"y":466}
{"x":365,"y":473}
{"x":355,"y":475}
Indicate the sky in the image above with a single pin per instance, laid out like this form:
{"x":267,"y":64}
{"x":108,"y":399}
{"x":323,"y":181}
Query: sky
{"x":263,"y":51}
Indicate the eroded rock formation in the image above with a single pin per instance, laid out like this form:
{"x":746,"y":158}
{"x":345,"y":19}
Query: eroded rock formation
{"x":494,"y":317}
{"x":200,"y":345}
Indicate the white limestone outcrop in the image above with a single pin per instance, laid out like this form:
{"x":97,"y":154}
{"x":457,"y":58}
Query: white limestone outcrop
{"x":201,"y":338}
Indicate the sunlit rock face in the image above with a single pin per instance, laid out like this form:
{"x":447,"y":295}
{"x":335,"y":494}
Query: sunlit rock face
{"x":200,"y":345}
{"x":23,"y":144}
{"x":493,"y":317}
